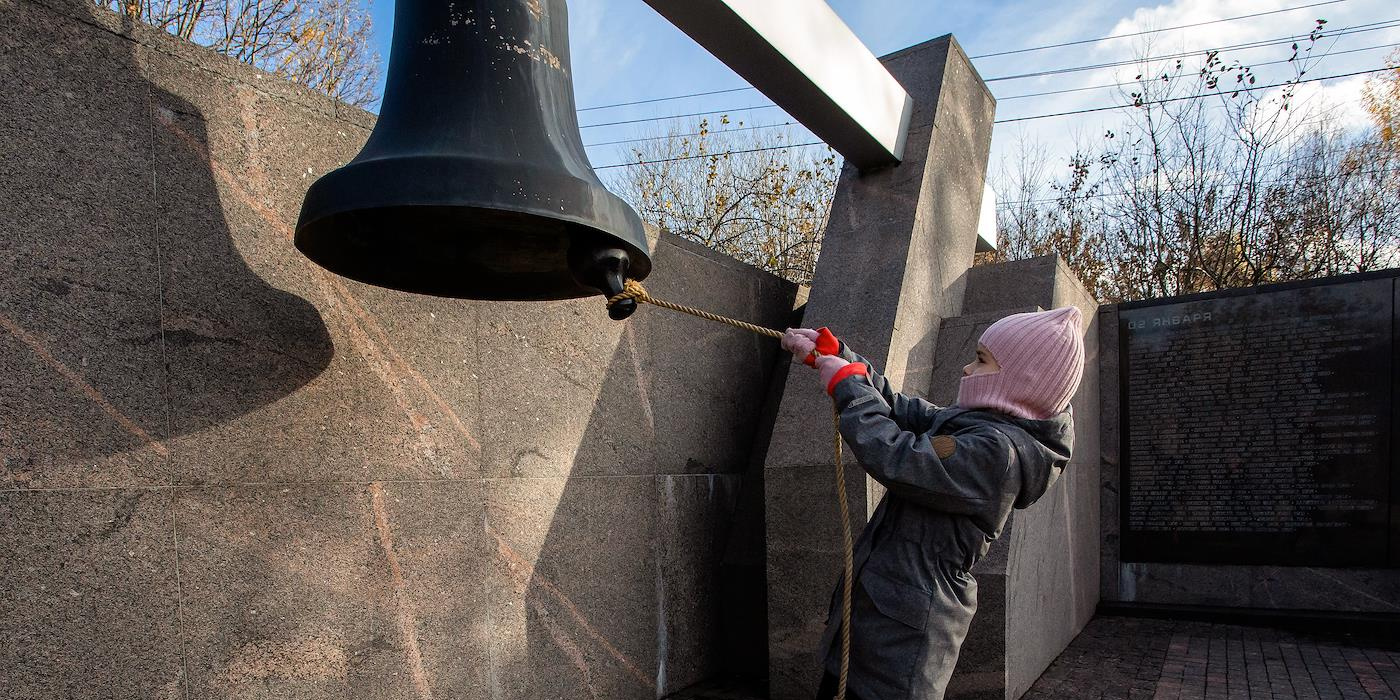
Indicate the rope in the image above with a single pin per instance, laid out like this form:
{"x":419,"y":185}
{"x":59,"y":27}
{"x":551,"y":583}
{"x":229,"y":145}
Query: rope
{"x":632,"y":289}
{"x":848,"y":562}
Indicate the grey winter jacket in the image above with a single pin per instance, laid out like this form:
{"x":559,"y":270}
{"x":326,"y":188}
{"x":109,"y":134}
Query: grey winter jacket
{"x":948,"y":498}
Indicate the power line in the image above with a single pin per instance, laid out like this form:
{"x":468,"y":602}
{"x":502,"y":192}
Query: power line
{"x":999,"y":99}
{"x":694,"y":133}
{"x":678,"y":97}
{"x":1374,"y":26}
{"x":1002,"y":121}
{"x":1182,"y":74}
{"x":1190,"y":97}
{"x":986,"y":55}
{"x":1153,"y":31}
{"x":1358,"y":29}
{"x":677,"y":116}
{"x":711,"y":155}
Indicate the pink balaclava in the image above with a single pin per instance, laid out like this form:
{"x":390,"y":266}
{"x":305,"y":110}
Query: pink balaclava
{"x":1041,"y":355}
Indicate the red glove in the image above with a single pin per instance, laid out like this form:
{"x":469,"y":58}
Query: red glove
{"x":834,"y":369}
{"x":803,"y":342}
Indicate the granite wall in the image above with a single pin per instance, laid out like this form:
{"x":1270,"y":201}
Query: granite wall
{"x":227,"y":473}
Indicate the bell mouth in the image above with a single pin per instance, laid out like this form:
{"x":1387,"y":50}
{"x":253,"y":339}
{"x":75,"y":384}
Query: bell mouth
{"x":461,"y":252}
{"x":466,"y":227}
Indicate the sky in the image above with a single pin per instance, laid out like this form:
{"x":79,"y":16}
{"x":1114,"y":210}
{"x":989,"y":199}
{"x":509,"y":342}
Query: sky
{"x":623,"y":51}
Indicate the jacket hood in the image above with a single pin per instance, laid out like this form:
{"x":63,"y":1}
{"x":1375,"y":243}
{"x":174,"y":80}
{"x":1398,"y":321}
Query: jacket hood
{"x":1043,"y":447}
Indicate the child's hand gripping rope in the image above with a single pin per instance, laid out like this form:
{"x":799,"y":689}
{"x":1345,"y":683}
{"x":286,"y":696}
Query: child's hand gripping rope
{"x":806,"y":344}
{"x":821,"y":349}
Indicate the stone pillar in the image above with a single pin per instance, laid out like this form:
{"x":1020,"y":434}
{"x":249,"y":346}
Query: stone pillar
{"x":893,"y":265}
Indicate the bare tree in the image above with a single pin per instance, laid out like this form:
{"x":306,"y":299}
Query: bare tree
{"x":1050,"y":217}
{"x":1212,"y":181}
{"x":738,"y":190}
{"x":322,"y":44}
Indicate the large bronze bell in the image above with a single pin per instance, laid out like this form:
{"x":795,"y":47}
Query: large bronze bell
{"x":474,"y":183}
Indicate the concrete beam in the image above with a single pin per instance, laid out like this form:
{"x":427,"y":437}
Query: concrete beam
{"x":804,"y":58}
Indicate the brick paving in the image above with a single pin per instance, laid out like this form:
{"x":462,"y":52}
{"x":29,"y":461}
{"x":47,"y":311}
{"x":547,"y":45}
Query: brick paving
{"x":1131,"y":659}
{"x":1119,"y":657}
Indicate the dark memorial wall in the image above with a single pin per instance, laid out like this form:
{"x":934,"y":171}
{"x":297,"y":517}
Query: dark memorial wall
{"x":1256,"y":427}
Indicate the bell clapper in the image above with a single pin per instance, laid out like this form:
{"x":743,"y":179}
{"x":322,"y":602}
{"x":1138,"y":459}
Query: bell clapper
{"x":605,"y":269}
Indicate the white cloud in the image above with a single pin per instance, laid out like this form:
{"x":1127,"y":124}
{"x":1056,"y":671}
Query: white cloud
{"x":1338,"y":102}
{"x":1184,"y":12}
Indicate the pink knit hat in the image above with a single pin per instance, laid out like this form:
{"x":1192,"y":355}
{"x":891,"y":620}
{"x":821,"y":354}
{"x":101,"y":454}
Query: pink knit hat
{"x":1041,"y":355}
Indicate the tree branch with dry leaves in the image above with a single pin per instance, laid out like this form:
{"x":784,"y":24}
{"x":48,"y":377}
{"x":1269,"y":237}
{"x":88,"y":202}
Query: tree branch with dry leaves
{"x":325,"y":45}
{"x":767,"y":208}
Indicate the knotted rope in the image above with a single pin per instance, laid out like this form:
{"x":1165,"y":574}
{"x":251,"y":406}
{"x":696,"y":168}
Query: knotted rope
{"x":632,"y":289}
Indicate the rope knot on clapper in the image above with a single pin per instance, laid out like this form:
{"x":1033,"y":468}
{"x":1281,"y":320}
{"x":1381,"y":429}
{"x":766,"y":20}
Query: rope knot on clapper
{"x":632,"y":289}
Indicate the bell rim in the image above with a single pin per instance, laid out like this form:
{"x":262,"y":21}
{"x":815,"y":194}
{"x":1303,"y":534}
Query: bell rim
{"x":465,"y":188}
{"x":320,"y":238}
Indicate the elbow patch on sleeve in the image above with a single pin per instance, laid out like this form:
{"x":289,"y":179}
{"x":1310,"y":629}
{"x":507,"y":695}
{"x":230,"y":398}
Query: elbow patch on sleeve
{"x":944,"y":446}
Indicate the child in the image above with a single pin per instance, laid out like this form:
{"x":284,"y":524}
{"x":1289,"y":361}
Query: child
{"x":953,"y":475}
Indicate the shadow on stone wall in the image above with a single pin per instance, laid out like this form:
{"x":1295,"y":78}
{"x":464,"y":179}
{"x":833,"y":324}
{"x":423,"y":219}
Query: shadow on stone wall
{"x":650,"y":573}
{"x":129,"y":316}
{"x":125,"y":310}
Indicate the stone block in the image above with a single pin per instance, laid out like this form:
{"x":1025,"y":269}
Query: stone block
{"x":804,"y":567}
{"x":1084,"y":499}
{"x":81,"y":377}
{"x":912,"y":228}
{"x":366,"y":591}
{"x":1263,"y":587}
{"x":693,"y":521}
{"x":567,"y":391}
{"x":1052,"y":575}
{"x":802,"y":429}
{"x":91,"y":603}
{"x":706,"y":377}
{"x":439,"y":569}
{"x":1015,"y":284}
{"x":214,"y":65}
{"x":575,"y":587}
